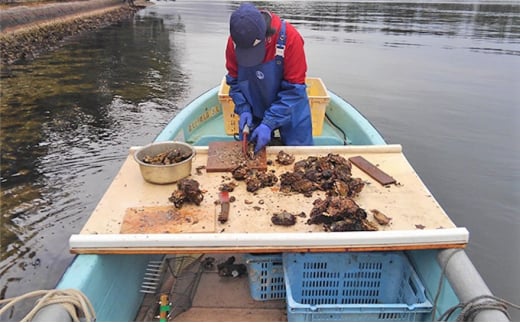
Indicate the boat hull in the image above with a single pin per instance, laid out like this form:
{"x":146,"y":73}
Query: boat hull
{"x":113,"y":282}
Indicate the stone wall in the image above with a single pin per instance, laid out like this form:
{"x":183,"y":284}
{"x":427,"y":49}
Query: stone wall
{"x":28,"y":31}
{"x":21,"y":15}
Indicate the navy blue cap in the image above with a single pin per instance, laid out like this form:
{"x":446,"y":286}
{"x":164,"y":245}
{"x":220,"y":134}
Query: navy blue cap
{"x":247,"y":28}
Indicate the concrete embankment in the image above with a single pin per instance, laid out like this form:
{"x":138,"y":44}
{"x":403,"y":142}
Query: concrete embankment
{"x":28,"y":31}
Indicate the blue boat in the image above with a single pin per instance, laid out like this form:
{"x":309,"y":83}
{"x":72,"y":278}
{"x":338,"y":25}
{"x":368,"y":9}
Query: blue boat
{"x":116,"y":271}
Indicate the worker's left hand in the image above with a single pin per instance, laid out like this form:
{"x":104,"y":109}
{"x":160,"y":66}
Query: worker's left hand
{"x":262,"y":136}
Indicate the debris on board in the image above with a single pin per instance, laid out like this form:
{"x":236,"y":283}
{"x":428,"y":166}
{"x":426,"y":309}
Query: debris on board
{"x":285,"y":218}
{"x":340,"y":214}
{"x":284,"y":158}
{"x":188,"y":192}
{"x":331,"y":174}
{"x":380,"y":217}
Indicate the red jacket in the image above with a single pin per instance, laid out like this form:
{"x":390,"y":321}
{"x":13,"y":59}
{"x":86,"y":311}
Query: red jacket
{"x":295,"y":64}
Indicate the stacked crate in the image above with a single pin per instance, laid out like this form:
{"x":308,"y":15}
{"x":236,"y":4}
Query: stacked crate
{"x":350,"y":286}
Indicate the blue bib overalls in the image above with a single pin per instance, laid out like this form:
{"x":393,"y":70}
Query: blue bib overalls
{"x":264,"y":88}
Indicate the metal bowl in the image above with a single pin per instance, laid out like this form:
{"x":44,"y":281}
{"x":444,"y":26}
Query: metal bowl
{"x":164,"y":174}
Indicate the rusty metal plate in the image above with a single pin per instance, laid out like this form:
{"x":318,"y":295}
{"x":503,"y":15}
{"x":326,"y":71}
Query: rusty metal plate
{"x":372,"y":170}
{"x":224,"y":156}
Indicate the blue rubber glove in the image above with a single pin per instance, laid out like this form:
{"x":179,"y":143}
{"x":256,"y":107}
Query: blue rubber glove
{"x":245,"y":118}
{"x":262,"y":136}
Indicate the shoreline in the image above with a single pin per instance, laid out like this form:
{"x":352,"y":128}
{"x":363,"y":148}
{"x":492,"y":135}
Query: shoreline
{"x":29,"y":31}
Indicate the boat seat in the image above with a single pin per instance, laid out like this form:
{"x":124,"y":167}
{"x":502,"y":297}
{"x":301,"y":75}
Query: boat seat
{"x":328,"y":141}
{"x":319,"y":141}
{"x":206,"y":140}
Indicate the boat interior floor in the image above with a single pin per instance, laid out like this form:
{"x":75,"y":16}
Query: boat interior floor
{"x":199,"y":291}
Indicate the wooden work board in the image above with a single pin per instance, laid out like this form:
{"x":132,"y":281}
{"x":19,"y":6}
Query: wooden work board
{"x":224,"y":156}
{"x":166,"y":219}
{"x":135,"y":216}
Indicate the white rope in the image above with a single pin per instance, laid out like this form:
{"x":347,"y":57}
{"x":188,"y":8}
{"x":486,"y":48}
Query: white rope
{"x":74,"y":301}
{"x":470,"y":309}
{"x":441,"y":283}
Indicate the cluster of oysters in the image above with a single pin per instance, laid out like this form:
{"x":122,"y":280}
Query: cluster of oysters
{"x":332,"y":174}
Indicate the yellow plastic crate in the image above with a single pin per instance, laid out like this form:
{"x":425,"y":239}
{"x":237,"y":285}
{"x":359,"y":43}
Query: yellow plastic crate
{"x":318,"y":100}
{"x":228,"y":107}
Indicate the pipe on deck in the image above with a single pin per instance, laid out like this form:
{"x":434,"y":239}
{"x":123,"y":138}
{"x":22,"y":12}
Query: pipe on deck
{"x":52,"y":313}
{"x":467,"y":282}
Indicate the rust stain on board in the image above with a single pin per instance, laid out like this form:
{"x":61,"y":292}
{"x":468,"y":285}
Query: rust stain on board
{"x":168,"y":219}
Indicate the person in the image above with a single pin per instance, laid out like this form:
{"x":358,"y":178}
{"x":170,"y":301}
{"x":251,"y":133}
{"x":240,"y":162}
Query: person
{"x":266,"y":70}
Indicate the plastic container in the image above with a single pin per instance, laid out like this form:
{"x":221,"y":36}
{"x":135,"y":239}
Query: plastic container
{"x":265,"y":273}
{"x":228,"y":109}
{"x":318,"y":101}
{"x":357,"y":286}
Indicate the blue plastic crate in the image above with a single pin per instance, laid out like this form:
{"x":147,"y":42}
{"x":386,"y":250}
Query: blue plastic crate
{"x":265,"y":273}
{"x":357,"y":286}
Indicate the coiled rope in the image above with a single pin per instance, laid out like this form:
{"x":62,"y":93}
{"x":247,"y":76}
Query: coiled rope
{"x":470,"y":309}
{"x":74,"y":301}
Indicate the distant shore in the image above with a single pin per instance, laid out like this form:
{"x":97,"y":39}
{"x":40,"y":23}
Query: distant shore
{"x":27,"y":31}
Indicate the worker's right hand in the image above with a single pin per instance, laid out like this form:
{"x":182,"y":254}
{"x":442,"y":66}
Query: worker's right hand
{"x":245,"y":118}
